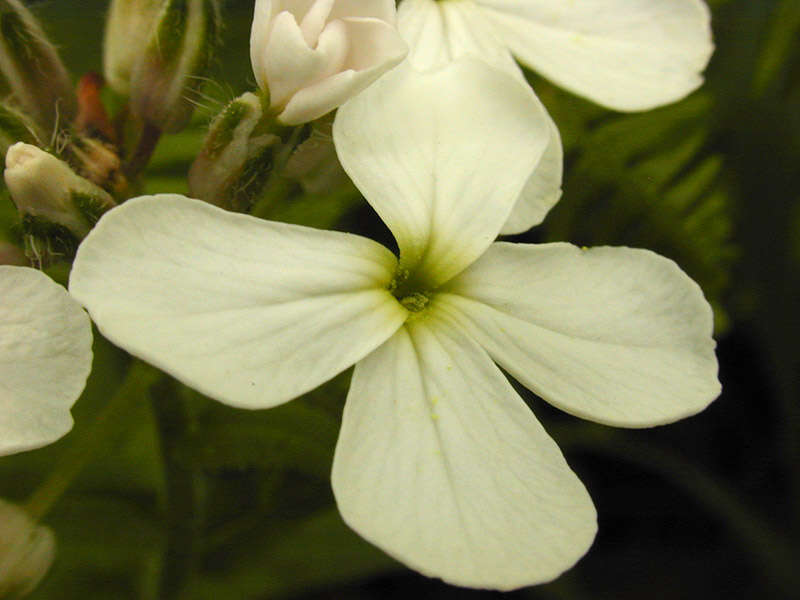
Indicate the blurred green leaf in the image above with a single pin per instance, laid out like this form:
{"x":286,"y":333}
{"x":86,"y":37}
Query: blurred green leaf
{"x":289,"y":557}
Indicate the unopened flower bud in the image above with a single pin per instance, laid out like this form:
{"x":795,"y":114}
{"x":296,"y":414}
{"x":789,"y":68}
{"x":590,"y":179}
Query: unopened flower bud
{"x":236,"y":156}
{"x":51,"y":198}
{"x":38,"y":80}
{"x":174,"y":62}
{"x":26,"y":551}
{"x":128,"y":28}
{"x":311,"y":57}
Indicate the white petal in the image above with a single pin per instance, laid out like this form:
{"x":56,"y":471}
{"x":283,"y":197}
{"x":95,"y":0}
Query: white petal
{"x":442,"y":156}
{"x":260,"y":31}
{"x":441,"y":464}
{"x":623,"y":54}
{"x":45,"y":357}
{"x":440,"y":32}
{"x":373,"y":47}
{"x":376,"y":9}
{"x":249,"y":312}
{"x":542,"y":190}
{"x":615,"y":335}
{"x":290,"y":64}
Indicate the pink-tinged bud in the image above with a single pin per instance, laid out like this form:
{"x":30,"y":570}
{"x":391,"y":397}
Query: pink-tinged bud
{"x":311,"y":57}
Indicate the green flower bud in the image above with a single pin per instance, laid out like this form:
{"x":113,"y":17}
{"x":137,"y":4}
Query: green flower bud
{"x":174,"y":62}
{"x":58,"y":207}
{"x":128,"y":28}
{"x":236,"y":157}
{"x":38,"y":80}
{"x":26,"y":551}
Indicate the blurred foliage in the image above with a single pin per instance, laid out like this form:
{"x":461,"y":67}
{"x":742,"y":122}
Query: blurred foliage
{"x":706,"y":508}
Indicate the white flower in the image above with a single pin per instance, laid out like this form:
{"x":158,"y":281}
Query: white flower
{"x":624,"y":54}
{"x":45,"y":357}
{"x":313,"y":55}
{"x":439,"y":462}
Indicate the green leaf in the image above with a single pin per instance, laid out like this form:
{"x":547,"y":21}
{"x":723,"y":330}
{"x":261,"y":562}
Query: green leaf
{"x":285,"y":557}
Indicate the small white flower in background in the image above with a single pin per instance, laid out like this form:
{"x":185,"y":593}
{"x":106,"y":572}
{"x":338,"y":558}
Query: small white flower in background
{"x":45,"y":358}
{"x":26,"y":551}
{"x":439,"y":462}
{"x":311,"y":56}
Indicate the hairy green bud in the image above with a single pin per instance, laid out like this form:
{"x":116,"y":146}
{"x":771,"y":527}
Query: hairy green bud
{"x":237,"y":155}
{"x":58,"y":207}
{"x":174,"y":62}
{"x":37,"y":78}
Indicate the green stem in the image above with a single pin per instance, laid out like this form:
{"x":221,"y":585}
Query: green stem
{"x":145,"y":146}
{"x":106,"y":426}
{"x":278,"y":187}
{"x":771,"y":551}
{"x":184,"y":488}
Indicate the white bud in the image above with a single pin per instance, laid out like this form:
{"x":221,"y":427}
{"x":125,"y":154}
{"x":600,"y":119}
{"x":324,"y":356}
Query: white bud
{"x":26,"y":551}
{"x":45,"y":187}
{"x":311,"y":57}
{"x":174,"y":63}
{"x":128,"y":28}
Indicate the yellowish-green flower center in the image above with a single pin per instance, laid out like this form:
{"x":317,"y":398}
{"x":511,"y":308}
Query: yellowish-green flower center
{"x":415,"y":302}
{"x":414,"y":297}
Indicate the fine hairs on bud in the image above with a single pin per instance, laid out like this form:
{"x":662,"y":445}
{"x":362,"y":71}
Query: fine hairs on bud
{"x":39,"y":82}
{"x":236,"y":157}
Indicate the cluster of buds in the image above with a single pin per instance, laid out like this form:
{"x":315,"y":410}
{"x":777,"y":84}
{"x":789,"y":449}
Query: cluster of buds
{"x":308,"y":58}
{"x":67,"y":159}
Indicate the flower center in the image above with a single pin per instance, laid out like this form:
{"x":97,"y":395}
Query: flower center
{"x":415,"y":302}
{"x":415,"y":298}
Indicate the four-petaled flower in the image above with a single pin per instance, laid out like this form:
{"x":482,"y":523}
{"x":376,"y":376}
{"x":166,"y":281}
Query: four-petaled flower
{"x":439,"y":461}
